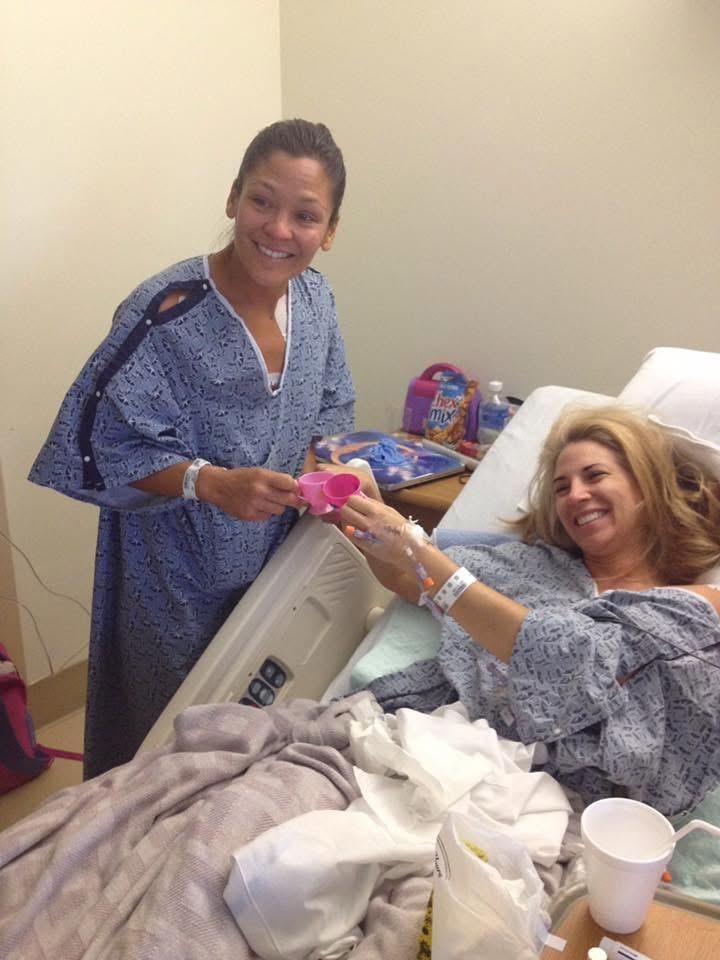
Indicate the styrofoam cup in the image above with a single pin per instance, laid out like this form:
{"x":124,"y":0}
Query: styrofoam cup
{"x":627,"y":846}
{"x":312,"y":491}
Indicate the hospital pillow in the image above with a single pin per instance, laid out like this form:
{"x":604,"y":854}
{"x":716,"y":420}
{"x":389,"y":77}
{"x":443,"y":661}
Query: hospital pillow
{"x":682,"y":389}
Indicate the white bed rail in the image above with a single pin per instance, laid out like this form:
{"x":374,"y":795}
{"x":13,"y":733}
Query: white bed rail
{"x":301,"y":619}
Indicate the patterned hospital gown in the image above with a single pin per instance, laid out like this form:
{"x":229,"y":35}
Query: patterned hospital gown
{"x":655,"y":737}
{"x":161,"y":389}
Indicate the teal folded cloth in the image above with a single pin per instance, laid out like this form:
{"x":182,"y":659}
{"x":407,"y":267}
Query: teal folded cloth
{"x":409,"y":634}
{"x":695,"y":866}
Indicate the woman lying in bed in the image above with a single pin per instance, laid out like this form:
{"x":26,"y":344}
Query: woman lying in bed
{"x":590,"y":634}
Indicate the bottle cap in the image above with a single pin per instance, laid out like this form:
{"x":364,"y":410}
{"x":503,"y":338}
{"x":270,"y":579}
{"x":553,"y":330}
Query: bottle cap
{"x":495,"y":386}
{"x":596,"y":953}
{"x":359,"y":464}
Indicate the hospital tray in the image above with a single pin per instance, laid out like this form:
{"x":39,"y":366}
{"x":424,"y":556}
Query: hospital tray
{"x":695,"y":928}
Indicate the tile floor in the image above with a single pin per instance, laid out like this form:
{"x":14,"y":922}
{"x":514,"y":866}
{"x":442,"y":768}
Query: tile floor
{"x":65,"y":733}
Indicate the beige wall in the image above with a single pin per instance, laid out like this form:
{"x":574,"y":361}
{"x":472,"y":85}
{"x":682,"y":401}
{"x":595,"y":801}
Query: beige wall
{"x":533,"y":187}
{"x":532,"y":194}
{"x":123,"y":125}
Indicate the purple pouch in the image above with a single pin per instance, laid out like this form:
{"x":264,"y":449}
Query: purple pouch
{"x":420,"y":395}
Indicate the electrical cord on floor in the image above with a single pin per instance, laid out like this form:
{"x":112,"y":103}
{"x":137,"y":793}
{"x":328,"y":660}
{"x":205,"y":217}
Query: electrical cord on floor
{"x":29,"y":612}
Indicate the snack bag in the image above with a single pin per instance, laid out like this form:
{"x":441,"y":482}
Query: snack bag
{"x":449,"y":410}
{"x":487,"y":897}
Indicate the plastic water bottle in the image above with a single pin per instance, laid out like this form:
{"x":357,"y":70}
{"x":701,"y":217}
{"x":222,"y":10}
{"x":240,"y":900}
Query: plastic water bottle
{"x":494,"y":413}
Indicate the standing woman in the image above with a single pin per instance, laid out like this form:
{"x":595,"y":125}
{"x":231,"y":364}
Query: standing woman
{"x":189,"y":424}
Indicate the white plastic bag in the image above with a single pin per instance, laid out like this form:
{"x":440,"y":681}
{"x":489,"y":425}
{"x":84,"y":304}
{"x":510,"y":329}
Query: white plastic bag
{"x":484,"y":909}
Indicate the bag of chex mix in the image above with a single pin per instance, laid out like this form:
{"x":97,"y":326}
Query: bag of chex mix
{"x":447,"y":418}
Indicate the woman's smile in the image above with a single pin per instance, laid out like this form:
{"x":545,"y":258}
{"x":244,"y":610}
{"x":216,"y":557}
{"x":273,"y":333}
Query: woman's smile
{"x":273,"y":254}
{"x":585,"y":518}
{"x":596,"y":499}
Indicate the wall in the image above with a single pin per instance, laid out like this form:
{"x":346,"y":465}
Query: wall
{"x":533,"y":187}
{"x":532,"y":194}
{"x":123,"y":127}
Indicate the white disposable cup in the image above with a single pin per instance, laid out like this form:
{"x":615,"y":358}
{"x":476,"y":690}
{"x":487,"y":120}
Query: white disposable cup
{"x":627,"y":846}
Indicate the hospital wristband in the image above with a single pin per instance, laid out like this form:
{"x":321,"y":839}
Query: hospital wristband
{"x":190,"y":478}
{"x":453,"y":588}
{"x":425,"y":600}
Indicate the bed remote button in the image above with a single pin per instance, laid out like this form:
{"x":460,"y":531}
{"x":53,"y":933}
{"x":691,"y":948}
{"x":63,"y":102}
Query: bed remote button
{"x":273,"y":673}
{"x":261,"y":692}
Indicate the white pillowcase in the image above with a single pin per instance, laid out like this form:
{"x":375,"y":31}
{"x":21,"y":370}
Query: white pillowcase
{"x":705,"y":453}
{"x":682,"y":389}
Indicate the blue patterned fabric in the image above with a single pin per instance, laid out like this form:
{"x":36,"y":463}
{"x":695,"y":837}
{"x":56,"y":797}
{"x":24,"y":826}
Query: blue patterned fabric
{"x":163,"y":388}
{"x":655,"y":737}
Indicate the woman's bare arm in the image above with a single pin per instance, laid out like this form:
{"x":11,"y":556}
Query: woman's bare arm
{"x":248,"y":493}
{"x":491,"y":619}
{"x":708,"y":591}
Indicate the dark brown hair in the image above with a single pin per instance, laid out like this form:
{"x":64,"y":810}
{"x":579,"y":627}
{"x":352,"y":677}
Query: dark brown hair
{"x":298,"y":138}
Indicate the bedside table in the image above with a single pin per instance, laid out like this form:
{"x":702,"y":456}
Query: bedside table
{"x":676,"y":927}
{"x":426,"y":502}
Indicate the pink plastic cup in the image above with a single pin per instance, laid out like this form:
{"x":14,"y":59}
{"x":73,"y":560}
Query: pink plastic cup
{"x":340,"y":487}
{"x":312,"y":491}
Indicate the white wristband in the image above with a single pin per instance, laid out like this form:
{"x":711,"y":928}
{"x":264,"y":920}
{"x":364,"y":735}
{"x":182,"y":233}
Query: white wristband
{"x":190,"y":478}
{"x":455,"y":585}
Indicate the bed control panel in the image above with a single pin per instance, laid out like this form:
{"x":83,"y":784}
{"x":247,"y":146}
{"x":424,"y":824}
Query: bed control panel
{"x":270,"y":677}
{"x":291,"y":634}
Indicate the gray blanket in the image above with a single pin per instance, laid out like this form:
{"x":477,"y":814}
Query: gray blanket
{"x":133,"y":864}
{"x":622,"y":688}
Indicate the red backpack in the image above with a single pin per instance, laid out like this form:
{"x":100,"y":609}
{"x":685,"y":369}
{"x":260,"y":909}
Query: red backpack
{"x":21,"y":757}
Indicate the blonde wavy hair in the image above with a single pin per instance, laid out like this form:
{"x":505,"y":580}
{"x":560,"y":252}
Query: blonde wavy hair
{"x":681,"y":498}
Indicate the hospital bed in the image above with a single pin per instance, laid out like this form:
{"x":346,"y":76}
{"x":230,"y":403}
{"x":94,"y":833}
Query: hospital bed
{"x":311,"y":609}
{"x":135,"y":862}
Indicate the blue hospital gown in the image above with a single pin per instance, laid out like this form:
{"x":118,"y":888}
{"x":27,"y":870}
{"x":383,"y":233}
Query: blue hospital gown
{"x":163,"y":388}
{"x":655,"y":737}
